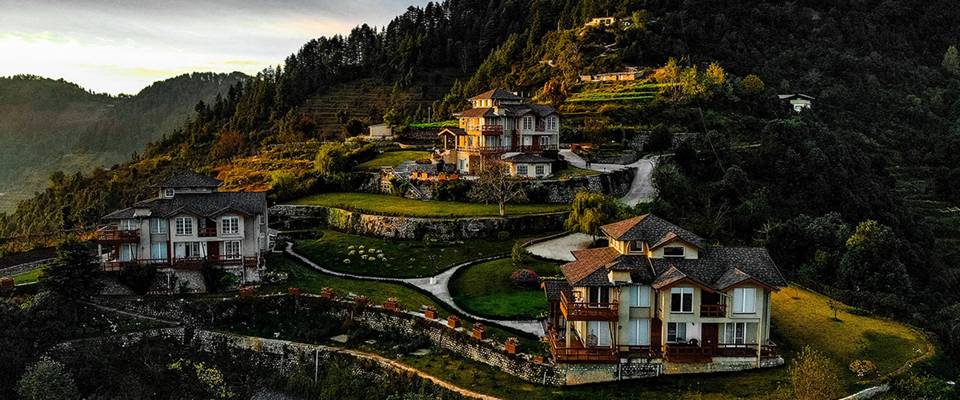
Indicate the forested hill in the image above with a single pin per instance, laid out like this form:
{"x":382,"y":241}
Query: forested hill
{"x":820,"y":189}
{"x":49,"y":125}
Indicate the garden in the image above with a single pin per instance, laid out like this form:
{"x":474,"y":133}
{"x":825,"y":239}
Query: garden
{"x":381,"y":204}
{"x":364,"y":255}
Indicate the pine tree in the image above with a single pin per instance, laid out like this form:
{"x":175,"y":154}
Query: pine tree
{"x":951,"y":60}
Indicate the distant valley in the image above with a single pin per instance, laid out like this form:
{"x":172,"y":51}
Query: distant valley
{"x":48,"y":125}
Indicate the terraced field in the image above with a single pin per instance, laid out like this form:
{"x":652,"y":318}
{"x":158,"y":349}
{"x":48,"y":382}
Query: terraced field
{"x":915,"y":186}
{"x":617,"y":92}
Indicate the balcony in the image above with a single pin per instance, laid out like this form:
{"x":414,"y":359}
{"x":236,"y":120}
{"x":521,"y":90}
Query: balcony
{"x":585,"y":311}
{"x":207,"y":232}
{"x":577,"y":353}
{"x":112,"y":234}
{"x":194,"y":263}
{"x":713,"y":310}
{"x":746,"y":350}
{"x":491,"y":130}
{"x":687,"y":353}
{"x":640,"y":352}
{"x":113,"y":265}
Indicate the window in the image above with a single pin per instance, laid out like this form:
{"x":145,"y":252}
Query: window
{"x":738,"y":333}
{"x":230,"y":225}
{"x":598,"y":295}
{"x":231,"y":249}
{"x":522,"y":169}
{"x":190,"y":250}
{"x":128,"y":252}
{"x":168,"y":193}
{"x":681,"y":300}
{"x":744,"y":300}
{"x":158,"y":250}
{"x":598,"y":333}
{"x":129,"y":225}
{"x":544,"y":140}
{"x":639,"y":296}
{"x":541,"y":170}
{"x":673,"y":251}
{"x":158,"y":225}
{"x":184,"y":226}
{"x":638,"y":332}
{"x":676,"y":332}
{"x":636,"y":245}
{"x":551,"y":123}
{"x":528,"y":123}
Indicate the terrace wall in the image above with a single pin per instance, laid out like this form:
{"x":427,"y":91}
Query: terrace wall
{"x":411,"y":228}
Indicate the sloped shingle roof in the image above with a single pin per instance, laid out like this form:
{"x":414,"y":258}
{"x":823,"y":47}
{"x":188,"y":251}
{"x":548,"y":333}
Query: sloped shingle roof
{"x":651,"y":229}
{"x":588,"y":262}
{"x":204,"y":205}
{"x":527,"y":158}
{"x":190,"y":180}
{"x":496,"y":94}
{"x":553,"y":289}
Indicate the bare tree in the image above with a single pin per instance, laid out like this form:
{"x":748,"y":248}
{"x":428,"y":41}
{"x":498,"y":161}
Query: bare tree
{"x":495,"y":185}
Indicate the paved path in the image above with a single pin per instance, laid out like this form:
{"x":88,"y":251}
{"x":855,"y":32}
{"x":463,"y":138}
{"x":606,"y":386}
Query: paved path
{"x":641,"y":190}
{"x":560,"y":248}
{"x":438,"y":286}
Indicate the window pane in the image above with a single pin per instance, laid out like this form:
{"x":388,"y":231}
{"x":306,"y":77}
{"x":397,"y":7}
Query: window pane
{"x":675,"y":299}
{"x":635,"y":296}
{"x":645,"y":296}
{"x":633,"y":332}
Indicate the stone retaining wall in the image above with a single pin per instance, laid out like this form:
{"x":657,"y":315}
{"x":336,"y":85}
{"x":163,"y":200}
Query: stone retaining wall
{"x":411,"y":228}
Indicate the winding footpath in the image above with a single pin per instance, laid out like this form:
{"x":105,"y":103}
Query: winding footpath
{"x":438,"y":286}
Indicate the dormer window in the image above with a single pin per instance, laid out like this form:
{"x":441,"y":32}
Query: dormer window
{"x":674,"y":251}
{"x":636,"y":246}
{"x":168,"y":193}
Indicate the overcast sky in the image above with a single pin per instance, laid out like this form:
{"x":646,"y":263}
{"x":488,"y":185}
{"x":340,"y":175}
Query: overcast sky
{"x":122,"y":46}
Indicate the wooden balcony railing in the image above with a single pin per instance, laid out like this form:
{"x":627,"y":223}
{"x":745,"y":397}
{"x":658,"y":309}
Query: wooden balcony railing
{"x":189,"y":263}
{"x":115,"y":235}
{"x":687,"y":353}
{"x":640,"y":352}
{"x":586,"y":311}
{"x":207,"y":232}
{"x":713,"y":310}
{"x":494,"y":130}
{"x":745,"y":350}
{"x":576,"y":353}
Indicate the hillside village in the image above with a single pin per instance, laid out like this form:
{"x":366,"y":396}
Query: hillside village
{"x":580,"y":211}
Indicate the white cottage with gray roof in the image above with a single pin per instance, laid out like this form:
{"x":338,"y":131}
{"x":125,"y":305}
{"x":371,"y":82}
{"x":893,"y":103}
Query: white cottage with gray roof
{"x":188,"y":226}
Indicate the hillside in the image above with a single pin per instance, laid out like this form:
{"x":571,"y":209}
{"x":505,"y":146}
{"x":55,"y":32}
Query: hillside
{"x":49,"y":125}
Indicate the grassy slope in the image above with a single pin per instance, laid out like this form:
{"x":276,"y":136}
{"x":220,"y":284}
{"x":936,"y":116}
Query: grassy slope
{"x":392,"y":159}
{"x":486,"y":290}
{"x":404,"y":258}
{"x":393,"y":205}
{"x":805,"y":315}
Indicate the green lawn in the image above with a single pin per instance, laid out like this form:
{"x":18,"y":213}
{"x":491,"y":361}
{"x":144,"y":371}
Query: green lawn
{"x":393,"y":258}
{"x":805,"y":315}
{"x":381,"y":204}
{"x":392,"y":159}
{"x":435,"y":125}
{"x":572,"y":172}
{"x":486,"y":290}
{"x":28,"y":277}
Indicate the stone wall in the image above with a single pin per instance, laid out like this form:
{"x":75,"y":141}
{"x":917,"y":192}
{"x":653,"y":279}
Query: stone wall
{"x":551,"y":191}
{"x":459,"y":341}
{"x":411,"y":228}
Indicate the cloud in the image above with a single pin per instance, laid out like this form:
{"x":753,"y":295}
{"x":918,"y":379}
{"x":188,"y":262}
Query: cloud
{"x":122,"y":46}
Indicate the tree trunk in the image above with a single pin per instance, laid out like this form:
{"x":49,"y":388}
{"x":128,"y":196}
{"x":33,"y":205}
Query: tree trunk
{"x":503,"y":208}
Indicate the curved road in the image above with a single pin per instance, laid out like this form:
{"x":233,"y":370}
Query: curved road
{"x":438,"y":286}
{"x":641,"y":190}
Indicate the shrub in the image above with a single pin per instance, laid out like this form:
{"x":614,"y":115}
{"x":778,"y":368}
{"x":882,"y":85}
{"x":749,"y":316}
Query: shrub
{"x":519,"y":254}
{"x":47,"y":379}
{"x":814,"y":377}
{"x":503,"y":235}
{"x":922,"y":387}
{"x":863,"y":368}
{"x":525,"y":278}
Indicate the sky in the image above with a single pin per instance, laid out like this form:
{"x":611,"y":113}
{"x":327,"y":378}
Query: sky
{"x":118,"y":46}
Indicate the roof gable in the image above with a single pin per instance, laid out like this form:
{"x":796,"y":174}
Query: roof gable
{"x":496,"y":94}
{"x":651,"y":229}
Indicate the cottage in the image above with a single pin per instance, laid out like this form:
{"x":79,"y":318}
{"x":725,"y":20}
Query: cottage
{"x":529,"y":165}
{"x":189,"y":225}
{"x":660,"y":294}
{"x":601,"y":21}
{"x":500,"y":125}
{"x":798,"y":101}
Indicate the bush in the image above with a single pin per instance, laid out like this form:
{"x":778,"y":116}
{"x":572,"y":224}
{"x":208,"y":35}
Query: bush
{"x":47,"y":379}
{"x":525,"y":278}
{"x":863,"y":368}
{"x":519,"y":254}
{"x":503,"y":236}
{"x":922,"y":387}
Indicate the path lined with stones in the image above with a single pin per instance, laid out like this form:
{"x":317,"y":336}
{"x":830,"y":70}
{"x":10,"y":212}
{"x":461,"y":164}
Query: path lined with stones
{"x":438,"y":286}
